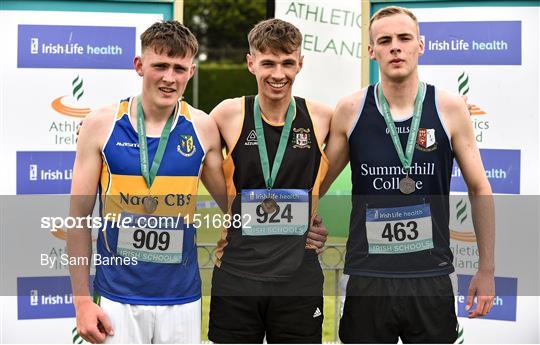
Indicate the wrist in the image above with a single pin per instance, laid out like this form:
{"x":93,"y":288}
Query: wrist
{"x":78,"y":301}
{"x":487,"y":270}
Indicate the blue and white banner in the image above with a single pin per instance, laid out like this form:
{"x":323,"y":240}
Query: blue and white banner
{"x":504,"y":304}
{"x":471,"y":43}
{"x":68,"y":46}
{"x":44,"y":298}
{"x":502,"y":168}
{"x":44,"y":172}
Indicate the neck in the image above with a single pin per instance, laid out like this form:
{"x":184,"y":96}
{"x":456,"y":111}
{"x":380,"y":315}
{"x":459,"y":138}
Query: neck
{"x":400,"y":94}
{"x":274,"y":110}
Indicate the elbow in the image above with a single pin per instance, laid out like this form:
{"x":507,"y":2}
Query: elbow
{"x":480,"y":189}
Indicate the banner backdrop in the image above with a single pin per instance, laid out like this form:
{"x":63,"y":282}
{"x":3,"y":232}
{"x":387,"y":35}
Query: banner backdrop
{"x":56,"y":68}
{"x":331,"y":46}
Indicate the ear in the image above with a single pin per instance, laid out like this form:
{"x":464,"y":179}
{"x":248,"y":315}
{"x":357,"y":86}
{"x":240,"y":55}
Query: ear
{"x":371,"y":52}
{"x":250,"y":62}
{"x":137,"y":64}
{"x":422,"y":47}
{"x":301,"y":62}
{"x":192,"y":70}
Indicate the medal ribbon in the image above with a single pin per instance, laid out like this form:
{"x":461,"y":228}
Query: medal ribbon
{"x":405,"y":158}
{"x":149,"y":176}
{"x":269,"y":179}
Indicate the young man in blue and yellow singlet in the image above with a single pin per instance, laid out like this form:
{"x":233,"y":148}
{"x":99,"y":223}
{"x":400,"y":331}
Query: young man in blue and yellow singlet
{"x":144,"y":157}
{"x":267,"y":284}
{"x":398,"y":254}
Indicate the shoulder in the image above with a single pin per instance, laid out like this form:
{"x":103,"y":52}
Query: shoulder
{"x":350,"y":104}
{"x":99,"y":121}
{"x":202,"y":120}
{"x":206,"y":125}
{"x":320,"y":110}
{"x":228,"y":108}
{"x":449,"y":102}
{"x":452,"y":108}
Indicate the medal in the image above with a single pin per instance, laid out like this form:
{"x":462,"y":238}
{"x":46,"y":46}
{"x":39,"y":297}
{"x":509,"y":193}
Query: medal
{"x":407,"y":185}
{"x":269,"y":205}
{"x":149,"y":173}
{"x":150,"y":204}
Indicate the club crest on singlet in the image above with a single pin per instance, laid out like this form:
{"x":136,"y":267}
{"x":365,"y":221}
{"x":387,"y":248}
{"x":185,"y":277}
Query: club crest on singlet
{"x":186,"y":147}
{"x":425,"y":141}
{"x":301,"y":138}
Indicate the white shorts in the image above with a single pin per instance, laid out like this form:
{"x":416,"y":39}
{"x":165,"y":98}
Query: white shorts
{"x":153,"y":324}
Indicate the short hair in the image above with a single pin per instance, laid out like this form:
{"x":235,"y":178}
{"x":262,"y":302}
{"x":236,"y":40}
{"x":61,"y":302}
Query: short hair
{"x":170,"y":37}
{"x":391,"y":11}
{"x":275,"y":35}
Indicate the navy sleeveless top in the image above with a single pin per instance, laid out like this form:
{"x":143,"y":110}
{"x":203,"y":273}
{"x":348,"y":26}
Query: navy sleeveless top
{"x":393,"y":234}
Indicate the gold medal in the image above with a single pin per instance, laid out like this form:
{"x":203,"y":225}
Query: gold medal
{"x":150,"y":204}
{"x":407,"y":185}
{"x":269,"y":205}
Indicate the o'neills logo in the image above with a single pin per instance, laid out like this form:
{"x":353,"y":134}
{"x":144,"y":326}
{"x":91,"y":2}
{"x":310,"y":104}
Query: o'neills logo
{"x":388,"y":177}
{"x":67,"y":105}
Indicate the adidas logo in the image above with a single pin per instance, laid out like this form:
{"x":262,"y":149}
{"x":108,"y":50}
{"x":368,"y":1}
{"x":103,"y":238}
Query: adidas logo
{"x":317,"y":313}
{"x":251,"y":138}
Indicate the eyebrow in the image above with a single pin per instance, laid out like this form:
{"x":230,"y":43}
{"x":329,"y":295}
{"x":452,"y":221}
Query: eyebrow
{"x":402,"y":35}
{"x":182,"y":67}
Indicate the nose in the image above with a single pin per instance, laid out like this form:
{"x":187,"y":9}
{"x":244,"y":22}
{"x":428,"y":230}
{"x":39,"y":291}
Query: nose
{"x":168,"y":76}
{"x":395,"y":48}
{"x":278,"y":73}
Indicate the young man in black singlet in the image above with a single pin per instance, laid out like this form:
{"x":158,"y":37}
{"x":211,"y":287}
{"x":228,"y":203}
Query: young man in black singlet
{"x":267,"y":282}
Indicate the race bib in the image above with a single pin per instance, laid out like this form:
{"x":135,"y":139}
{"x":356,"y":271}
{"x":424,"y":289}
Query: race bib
{"x":399,"y":230}
{"x":157,"y":239}
{"x":290,"y":216}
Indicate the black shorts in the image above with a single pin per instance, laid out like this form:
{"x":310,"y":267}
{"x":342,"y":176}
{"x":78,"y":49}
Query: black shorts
{"x":248,"y":311}
{"x":417,"y":310}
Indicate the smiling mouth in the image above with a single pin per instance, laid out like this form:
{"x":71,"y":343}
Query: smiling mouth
{"x":277,"y":85}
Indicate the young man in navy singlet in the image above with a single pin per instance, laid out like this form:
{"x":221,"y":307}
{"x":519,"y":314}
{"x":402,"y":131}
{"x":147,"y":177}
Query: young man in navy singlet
{"x":267,"y":284}
{"x":398,"y":254}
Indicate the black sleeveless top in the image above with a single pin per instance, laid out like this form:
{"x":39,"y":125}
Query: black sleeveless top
{"x":270,"y":257}
{"x":376,"y":172}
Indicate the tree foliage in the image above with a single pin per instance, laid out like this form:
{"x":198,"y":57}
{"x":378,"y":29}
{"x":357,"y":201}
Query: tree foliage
{"x":221,"y":26}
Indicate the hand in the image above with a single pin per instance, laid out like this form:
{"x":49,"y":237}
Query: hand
{"x":317,"y":235}
{"x":483,"y":287}
{"x":93,"y":325}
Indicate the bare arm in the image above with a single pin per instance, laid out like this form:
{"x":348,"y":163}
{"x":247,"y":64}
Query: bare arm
{"x":212,"y":173}
{"x":86,"y":173}
{"x":468,"y":157}
{"x":337,"y":149}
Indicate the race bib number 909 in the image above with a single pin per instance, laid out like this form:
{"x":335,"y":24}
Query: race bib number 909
{"x":399,"y":230}
{"x":154,"y":239}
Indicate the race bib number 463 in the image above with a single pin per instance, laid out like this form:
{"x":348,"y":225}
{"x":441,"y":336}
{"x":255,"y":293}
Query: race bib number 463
{"x":290,"y":216}
{"x":399,"y":230}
